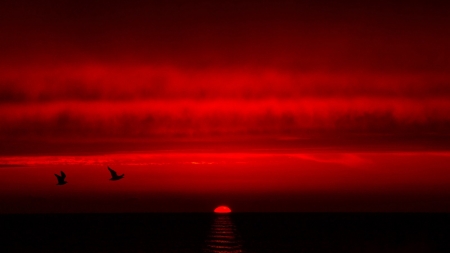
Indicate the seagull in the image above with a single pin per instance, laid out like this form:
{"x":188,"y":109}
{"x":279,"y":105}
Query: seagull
{"x":114,"y":175}
{"x":61,"y":178}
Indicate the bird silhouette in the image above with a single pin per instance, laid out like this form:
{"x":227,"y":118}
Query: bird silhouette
{"x":114,"y":175}
{"x":61,"y":178}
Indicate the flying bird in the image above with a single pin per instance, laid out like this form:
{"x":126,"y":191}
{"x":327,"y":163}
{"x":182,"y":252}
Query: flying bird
{"x":114,"y":175}
{"x":61,"y":178}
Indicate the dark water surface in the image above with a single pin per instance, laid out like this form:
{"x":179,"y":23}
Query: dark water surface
{"x":237,"y":232}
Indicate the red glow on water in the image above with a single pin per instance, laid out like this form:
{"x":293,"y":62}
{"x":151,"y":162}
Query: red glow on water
{"x":222,"y":209}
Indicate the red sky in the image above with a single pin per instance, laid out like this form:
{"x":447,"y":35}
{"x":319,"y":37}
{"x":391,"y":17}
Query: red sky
{"x":247,"y":182}
{"x":272,"y":77}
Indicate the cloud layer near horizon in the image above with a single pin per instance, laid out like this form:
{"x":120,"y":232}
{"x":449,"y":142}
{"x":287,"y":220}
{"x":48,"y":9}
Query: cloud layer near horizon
{"x":148,"y":102}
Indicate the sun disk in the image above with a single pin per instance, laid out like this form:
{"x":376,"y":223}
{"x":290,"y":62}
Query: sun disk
{"x":222,"y":209}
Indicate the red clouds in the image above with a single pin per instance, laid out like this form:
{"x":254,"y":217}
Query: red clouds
{"x":272,"y":70}
{"x":161,"y":102}
{"x":187,"y":118}
{"x":140,"y":82}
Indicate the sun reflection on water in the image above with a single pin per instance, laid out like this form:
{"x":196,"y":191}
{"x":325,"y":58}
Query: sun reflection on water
{"x":223,"y":237}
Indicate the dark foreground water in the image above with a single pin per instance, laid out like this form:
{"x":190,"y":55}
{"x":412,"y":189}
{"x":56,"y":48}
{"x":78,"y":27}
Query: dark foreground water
{"x":241,"y":232}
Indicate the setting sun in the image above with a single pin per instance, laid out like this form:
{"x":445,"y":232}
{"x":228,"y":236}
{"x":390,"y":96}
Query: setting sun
{"x":222,"y":209}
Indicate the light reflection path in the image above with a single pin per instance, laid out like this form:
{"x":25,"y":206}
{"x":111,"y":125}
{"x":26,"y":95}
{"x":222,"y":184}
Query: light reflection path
{"x":223,"y":237}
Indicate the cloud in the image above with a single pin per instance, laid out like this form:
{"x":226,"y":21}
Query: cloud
{"x":346,"y":159}
{"x":224,"y":118}
{"x":86,"y":102}
{"x":141,"y":82}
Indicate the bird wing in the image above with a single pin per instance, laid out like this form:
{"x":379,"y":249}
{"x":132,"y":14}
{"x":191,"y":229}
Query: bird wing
{"x":63,"y":175}
{"x":58,"y":177}
{"x":113,"y":173}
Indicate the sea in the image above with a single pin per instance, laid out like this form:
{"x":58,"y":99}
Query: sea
{"x":225,"y":233}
